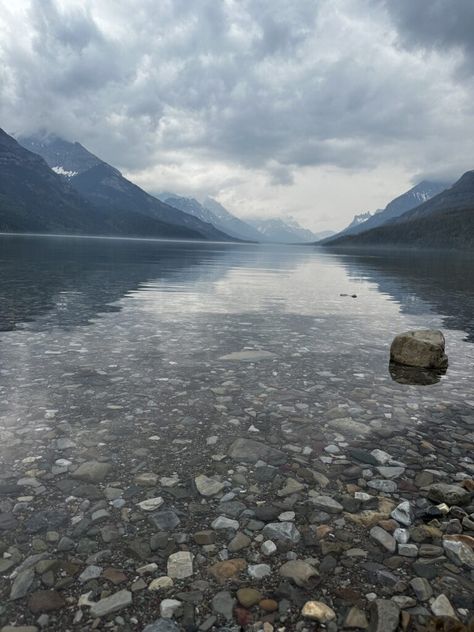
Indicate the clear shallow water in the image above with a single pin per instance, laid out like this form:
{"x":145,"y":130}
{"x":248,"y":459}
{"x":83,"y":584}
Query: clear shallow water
{"x":86,"y":324}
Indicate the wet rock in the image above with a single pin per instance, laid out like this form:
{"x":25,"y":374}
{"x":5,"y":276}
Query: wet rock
{"x":222,"y":522}
{"x":114,"y":575}
{"x":302,"y":573}
{"x":146,"y":479}
{"x":45,"y":601}
{"x":363,"y":456}
{"x":384,"y":616}
{"x":239,"y":541}
{"x":170,"y":608}
{"x":328,"y":504}
{"x":22,"y":584}
{"x":449,"y":494}
{"x":223,"y":603}
{"x":423,"y":348}
{"x":442,"y":607}
{"x":318,"y":611}
{"x":408,"y":550}
{"x":459,"y":553}
{"x":250,"y":451}
{"x":259,"y":571}
{"x":248,"y":597}
{"x":383,"y":485}
{"x":356,"y":619}
{"x":292,"y":486}
{"x":151,"y":504}
{"x":268,"y":548}
{"x":227,"y":569}
{"x":284,"y":532}
{"x":232,"y":509}
{"x":267,"y":513}
{"x":208,"y":486}
{"x":384,"y":538}
{"x":91,"y":572}
{"x":205,"y":537}
{"x":180,"y":565}
{"x":161,"y":583}
{"x":118,"y":601}
{"x":403,"y":513}
{"x":164,"y":520}
{"x":92,"y":471}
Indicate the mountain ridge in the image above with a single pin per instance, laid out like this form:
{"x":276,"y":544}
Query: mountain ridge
{"x":445,"y":221}
{"x":416,"y":195}
{"x":35,"y":199}
{"x":104,"y":185}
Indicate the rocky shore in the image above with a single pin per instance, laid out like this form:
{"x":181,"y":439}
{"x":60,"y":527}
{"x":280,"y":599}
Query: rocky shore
{"x":303,"y":534}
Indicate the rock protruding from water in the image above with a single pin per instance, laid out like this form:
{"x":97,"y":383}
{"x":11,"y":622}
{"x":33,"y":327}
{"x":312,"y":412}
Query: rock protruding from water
{"x":424,"y":348}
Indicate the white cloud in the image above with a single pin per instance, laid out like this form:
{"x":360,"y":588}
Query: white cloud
{"x":319,"y":109}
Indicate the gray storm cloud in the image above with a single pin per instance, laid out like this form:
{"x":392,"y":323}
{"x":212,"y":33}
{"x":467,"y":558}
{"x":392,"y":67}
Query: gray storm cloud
{"x":247,"y":98}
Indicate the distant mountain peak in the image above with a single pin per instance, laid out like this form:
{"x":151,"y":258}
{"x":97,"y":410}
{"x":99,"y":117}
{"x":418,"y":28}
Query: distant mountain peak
{"x":418,"y":194}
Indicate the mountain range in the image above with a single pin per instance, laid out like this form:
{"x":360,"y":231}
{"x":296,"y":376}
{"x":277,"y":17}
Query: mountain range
{"x":213,"y":212}
{"x":286,"y":231}
{"x":442,"y":221}
{"x":107,"y":203}
{"x":35,"y":199}
{"x":106,"y":188}
{"x":418,"y":194}
{"x":50,"y":185}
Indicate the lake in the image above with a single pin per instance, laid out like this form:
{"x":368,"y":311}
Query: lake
{"x":125,"y":356}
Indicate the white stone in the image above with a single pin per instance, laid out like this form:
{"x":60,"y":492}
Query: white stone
{"x":208,"y":486}
{"x":441,"y":607}
{"x":401,"y":535}
{"x":151,"y":504}
{"x":403,"y":513}
{"x":161,"y":583}
{"x":222,"y":522}
{"x":259,"y":571}
{"x":180,"y":565}
{"x":380,"y":456}
{"x":169,"y":607}
{"x":268,"y":548}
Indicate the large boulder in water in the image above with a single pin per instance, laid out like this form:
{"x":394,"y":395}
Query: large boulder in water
{"x":421,"y":348}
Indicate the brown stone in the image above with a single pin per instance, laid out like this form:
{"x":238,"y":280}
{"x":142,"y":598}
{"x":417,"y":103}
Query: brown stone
{"x":468,"y":540}
{"x":322,"y":531}
{"x":45,"y":601}
{"x":468,"y":483}
{"x":204,"y":537}
{"x":228,"y":569}
{"x":269,"y":605}
{"x":114,"y":575}
{"x":389,"y":525}
{"x":356,"y":619}
{"x":248,"y":597}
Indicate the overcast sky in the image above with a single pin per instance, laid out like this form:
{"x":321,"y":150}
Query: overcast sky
{"x":314,"y":108}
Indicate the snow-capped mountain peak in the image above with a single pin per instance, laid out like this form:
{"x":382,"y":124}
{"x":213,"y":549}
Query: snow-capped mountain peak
{"x":61,"y":171}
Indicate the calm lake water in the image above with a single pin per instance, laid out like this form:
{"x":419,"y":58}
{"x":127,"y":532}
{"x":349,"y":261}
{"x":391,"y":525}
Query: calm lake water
{"x":90,"y":324}
{"x":116,"y":388}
